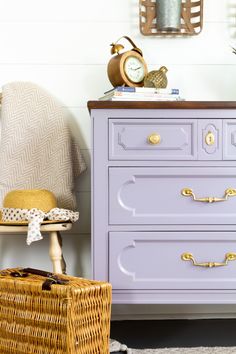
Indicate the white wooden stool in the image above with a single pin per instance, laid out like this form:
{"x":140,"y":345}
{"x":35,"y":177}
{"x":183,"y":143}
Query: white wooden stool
{"x":55,"y":248}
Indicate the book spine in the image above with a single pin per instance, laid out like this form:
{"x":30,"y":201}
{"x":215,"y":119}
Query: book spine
{"x":142,"y":94}
{"x":156,"y":99}
{"x":120,"y":89}
{"x":171,"y":91}
{"x":125,"y":89}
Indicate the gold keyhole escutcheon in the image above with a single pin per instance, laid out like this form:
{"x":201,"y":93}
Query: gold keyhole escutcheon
{"x":154,"y":139}
{"x":210,"y":138}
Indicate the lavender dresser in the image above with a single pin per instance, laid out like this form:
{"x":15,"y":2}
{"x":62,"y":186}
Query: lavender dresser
{"x":164,"y":200}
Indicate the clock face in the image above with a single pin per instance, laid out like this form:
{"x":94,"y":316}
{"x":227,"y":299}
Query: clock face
{"x":134,"y":69}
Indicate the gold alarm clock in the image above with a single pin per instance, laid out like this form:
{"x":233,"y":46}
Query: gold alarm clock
{"x":127,"y":68}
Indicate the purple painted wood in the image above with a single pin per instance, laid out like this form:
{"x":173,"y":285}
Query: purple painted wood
{"x":136,"y":199}
{"x":184,"y":296}
{"x":210,"y":139}
{"x":99,"y":195}
{"x":128,"y":139}
{"x":154,"y":195}
{"x":152,"y":260}
{"x":229,"y":133}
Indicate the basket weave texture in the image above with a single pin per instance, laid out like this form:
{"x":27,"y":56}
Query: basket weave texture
{"x":73,"y":318}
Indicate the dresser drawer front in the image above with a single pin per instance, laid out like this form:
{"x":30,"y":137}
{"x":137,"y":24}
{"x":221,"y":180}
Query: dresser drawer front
{"x":154,"y":195}
{"x":152,"y":260}
{"x":210,"y":139}
{"x":152,"y":139}
{"x":229,"y":139}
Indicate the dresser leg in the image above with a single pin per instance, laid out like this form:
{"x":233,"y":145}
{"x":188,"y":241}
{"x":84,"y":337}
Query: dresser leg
{"x":55,"y":252}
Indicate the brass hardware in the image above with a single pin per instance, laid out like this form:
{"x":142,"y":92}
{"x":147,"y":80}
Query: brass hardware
{"x":210,"y":138}
{"x":117,"y":47}
{"x":156,"y":78}
{"x":154,"y":139}
{"x":228,"y":257}
{"x":188,"y":192}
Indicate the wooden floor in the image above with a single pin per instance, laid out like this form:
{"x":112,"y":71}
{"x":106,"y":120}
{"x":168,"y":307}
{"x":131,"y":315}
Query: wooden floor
{"x":175,"y":333}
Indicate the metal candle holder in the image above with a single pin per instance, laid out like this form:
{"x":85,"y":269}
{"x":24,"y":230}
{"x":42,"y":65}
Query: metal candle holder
{"x":169,"y":15}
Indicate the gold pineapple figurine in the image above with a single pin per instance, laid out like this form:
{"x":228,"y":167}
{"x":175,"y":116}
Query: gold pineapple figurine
{"x":156,"y":78}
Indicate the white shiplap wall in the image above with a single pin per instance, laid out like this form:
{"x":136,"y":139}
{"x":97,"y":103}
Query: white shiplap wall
{"x":64,"y":47}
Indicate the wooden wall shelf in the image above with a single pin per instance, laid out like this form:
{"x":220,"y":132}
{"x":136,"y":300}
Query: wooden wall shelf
{"x":191,"y":18}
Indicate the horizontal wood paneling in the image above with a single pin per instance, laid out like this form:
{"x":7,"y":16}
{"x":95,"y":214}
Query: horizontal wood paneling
{"x":76,"y":249}
{"x":103,"y":11}
{"x":84,"y":208}
{"x":84,"y":180}
{"x":80,"y":123}
{"x":70,"y":10}
{"x":218,"y":11}
{"x":196,"y":82}
{"x":74,"y":43}
{"x":14,"y":252}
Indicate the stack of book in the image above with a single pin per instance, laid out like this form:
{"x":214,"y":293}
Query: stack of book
{"x":124,"y":93}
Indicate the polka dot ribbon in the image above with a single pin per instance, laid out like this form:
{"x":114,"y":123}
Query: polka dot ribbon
{"x":36,"y":217}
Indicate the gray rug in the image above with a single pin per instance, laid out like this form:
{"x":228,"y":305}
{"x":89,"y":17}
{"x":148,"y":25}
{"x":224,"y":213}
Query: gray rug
{"x":203,"y":350}
{"x":115,"y":347}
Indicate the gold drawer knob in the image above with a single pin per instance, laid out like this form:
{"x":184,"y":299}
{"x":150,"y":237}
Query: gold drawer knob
{"x":210,"y":138}
{"x":154,"y":139}
{"x":228,"y":257}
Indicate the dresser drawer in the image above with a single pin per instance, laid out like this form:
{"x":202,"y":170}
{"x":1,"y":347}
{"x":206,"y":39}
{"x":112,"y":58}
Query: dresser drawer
{"x":152,"y":139}
{"x":158,"y":195}
{"x":210,"y":139}
{"x":229,"y":127}
{"x":165,"y":260}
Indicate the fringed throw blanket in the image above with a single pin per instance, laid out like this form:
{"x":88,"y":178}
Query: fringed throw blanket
{"x":36,"y":147}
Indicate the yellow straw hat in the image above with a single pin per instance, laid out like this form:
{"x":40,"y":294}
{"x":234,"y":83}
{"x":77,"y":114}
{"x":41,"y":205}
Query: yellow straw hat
{"x":41,"y":199}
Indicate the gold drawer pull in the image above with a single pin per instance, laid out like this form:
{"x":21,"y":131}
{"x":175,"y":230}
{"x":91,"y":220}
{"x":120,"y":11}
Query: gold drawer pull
{"x":154,"y":139}
{"x":228,"y":257}
{"x":188,"y":192}
{"x":210,"y":138}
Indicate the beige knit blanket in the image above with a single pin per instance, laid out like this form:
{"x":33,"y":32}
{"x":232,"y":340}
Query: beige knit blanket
{"x":36,"y":147}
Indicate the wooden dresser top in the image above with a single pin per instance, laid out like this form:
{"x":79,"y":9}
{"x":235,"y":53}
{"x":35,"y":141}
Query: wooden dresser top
{"x":161,"y":105}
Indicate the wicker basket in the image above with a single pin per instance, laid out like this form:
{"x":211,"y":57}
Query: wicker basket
{"x":70,"y":318}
